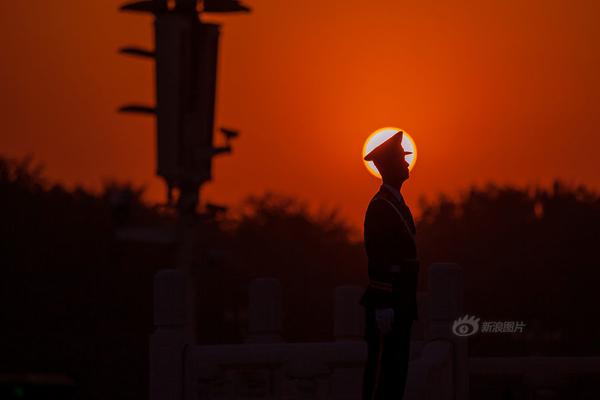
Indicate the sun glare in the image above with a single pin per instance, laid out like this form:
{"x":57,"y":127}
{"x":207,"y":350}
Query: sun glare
{"x":380,"y":136}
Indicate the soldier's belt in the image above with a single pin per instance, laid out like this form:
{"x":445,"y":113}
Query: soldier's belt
{"x":379,"y":285}
{"x":409,"y":263}
{"x":404,"y":270}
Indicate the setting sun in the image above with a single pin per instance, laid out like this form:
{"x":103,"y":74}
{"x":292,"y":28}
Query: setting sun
{"x":380,"y":136}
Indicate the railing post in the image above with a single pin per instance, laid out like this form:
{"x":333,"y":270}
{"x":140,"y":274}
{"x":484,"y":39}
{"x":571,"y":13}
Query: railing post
{"x":446,"y":288}
{"x":264,"y":314}
{"x":167,"y":343}
{"x":349,"y":315}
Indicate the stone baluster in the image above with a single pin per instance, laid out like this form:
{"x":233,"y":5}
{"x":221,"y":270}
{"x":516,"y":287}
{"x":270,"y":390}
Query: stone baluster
{"x":349,"y":315}
{"x":265,"y":313}
{"x":446,"y":290}
{"x":167,"y":343}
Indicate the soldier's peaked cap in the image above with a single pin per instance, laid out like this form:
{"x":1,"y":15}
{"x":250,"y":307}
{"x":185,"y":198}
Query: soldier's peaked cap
{"x":390,"y":147}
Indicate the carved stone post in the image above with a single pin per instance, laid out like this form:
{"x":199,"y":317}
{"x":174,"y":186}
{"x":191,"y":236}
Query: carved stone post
{"x":264,"y":314}
{"x":167,"y":343}
{"x":446,"y":290}
{"x":349,"y":315}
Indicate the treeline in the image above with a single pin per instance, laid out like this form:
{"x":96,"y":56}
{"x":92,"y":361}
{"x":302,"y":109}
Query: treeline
{"x":528,"y":255}
{"x":76,"y":298}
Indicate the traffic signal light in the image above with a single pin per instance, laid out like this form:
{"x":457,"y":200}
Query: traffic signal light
{"x":185,"y":53}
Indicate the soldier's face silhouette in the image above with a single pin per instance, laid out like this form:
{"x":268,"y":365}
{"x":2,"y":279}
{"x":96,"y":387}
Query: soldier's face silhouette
{"x":405,"y":172}
{"x":393,"y":169}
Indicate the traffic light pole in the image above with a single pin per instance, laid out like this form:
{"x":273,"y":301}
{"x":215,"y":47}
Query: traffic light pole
{"x":185,"y":53}
{"x":187,"y":227}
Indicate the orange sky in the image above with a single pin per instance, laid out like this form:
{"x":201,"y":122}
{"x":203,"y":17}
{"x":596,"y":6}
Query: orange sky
{"x":504,"y":91}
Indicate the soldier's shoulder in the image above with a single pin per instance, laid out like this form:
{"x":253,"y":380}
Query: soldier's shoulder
{"x":381,"y":199}
{"x":379,"y":195}
{"x":380,"y":207}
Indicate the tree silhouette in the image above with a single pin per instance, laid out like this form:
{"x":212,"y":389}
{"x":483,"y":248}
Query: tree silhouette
{"x":76,"y":300}
{"x":528,"y":254}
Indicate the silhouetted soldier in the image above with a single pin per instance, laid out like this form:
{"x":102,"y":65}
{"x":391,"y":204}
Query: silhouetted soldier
{"x":390,"y":298}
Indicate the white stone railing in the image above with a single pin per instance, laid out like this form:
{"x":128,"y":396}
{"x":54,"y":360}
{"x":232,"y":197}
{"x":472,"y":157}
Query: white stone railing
{"x":266,"y":367}
{"x":537,"y":377}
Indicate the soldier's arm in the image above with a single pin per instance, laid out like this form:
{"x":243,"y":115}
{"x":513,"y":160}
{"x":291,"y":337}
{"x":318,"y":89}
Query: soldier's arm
{"x":391,"y":243}
{"x":379,"y":239}
{"x":386,"y":232}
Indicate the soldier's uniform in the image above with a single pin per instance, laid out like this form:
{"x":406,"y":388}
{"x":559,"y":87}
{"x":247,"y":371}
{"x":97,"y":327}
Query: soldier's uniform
{"x":389,"y":235}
